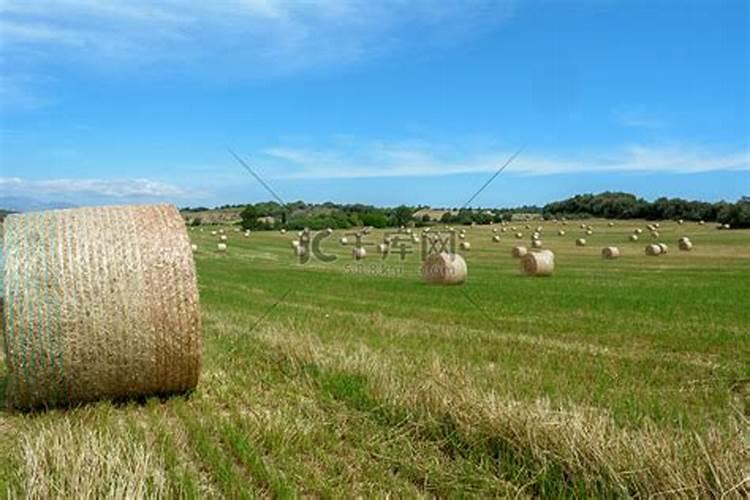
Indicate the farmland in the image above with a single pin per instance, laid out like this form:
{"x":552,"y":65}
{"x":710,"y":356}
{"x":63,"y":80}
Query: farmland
{"x":619,"y":377}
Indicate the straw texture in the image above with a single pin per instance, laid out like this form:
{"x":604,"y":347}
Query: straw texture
{"x":99,"y":303}
{"x":444,"y":268}
{"x":538,"y":263}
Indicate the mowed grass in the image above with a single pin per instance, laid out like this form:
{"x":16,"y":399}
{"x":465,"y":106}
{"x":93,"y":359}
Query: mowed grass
{"x":611,"y":378}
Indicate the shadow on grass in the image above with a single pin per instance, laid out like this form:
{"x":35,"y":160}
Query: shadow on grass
{"x":3,"y":385}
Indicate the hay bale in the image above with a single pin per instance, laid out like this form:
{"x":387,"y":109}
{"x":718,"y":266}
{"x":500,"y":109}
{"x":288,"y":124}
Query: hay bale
{"x":194,"y":247}
{"x":611,"y":224}
{"x":653,"y":250}
{"x":539,"y":229}
{"x":503,"y":229}
{"x":329,"y":231}
{"x":99,"y":303}
{"x":656,"y":225}
{"x":295,"y":243}
{"x":359,"y":253}
{"x":344,"y":240}
{"x":727,"y":226}
{"x":382,"y":249}
{"x":535,"y":236}
{"x":583,"y":226}
{"x":536,"y":243}
{"x":580,"y":242}
{"x":496,"y":239}
{"x":610,"y":252}
{"x":300,"y":251}
{"x":538,"y":263}
{"x":637,"y":230}
{"x":589,"y":232}
{"x":701,"y":222}
{"x":680,"y":222}
{"x":445,"y":269}
{"x":561,"y":232}
{"x":494,"y":230}
{"x":519,"y":235}
{"x":221,"y":247}
{"x":415,"y":239}
{"x":223,"y":237}
{"x":213,"y":233}
{"x":654,"y":234}
{"x":282,"y":231}
{"x":663,"y":247}
{"x":685,"y":244}
{"x":462,"y":236}
{"x":633,"y":237}
{"x":465,"y":245}
{"x":519,"y":251}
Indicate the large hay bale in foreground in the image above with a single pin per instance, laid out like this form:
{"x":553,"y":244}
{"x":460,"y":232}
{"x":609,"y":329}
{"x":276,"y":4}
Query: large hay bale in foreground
{"x":538,"y":263}
{"x":444,"y":268}
{"x":610,"y":252}
{"x":99,"y":303}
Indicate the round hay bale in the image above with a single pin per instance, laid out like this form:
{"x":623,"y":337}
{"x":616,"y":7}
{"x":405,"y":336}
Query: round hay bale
{"x":295,"y":243}
{"x":611,"y":224}
{"x":610,"y":252}
{"x":580,"y":242}
{"x":535,"y":236}
{"x":536,"y":243}
{"x":213,"y":233}
{"x":496,"y":239}
{"x":701,"y":222}
{"x":633,"y":237}
{"x":637,"y":230}
{"x":583,"y":226}
{"x":494,"y":229}
{"x":654,"y":234}
{"x":589,"y":232}
{"x":465,"y":245}
{"x":221,"y":247}
{"x":519,"y":235}
{"x":538,"y":263}
{"x":514,"y":228}
{"x":539,"y":229}
{"x":194,"y":247}
{"x":656,"y":225}
{"x":685,"y":244}
{"x":445,"y":269}
{"x":653,"y":250}
{"x":359,"y":253}
{"x":727,"y":226}
{"x":344,"y":240}
{"x":282,"y":231}
{"x":462,"y":236}
{"x":503,"y":229}
{"x":663,"y":247}
{"x":519,"y":251}
{"x":680,"y":222}
{"x":300,"y":251}
{"x":329,"y":231}
{"x":561,"y":232}
{"x":382,"y":249}
{"x":99,"y":303}
{"x":415,"y":239}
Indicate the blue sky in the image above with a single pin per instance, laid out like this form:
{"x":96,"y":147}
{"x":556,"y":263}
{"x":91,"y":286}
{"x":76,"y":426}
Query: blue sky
{"x":383,"y":102}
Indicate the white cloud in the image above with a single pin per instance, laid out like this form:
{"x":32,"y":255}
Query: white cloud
{"x":403,"y":159}
{"x":104,"y":188}
{"x":637,"y":118}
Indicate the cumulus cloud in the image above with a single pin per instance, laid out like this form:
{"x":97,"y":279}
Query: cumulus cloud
{"x":104,"y":188}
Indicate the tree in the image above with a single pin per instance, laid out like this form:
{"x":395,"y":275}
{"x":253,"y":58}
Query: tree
{"x":249,"y":216}
{"x":401,"y":216}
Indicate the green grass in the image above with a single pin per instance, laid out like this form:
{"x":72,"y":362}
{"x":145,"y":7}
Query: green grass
{"x":610,"y":378}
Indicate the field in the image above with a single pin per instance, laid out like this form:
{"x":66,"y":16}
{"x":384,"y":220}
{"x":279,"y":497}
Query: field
{"x":611,"y":378}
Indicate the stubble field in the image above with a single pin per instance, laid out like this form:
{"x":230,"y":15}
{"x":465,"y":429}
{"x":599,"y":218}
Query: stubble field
{"x":609,"y":378}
